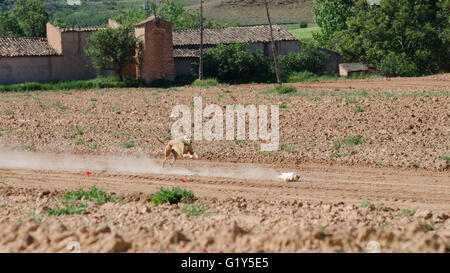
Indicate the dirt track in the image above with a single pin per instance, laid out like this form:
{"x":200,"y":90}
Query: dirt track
{"x":323,"y":213}
{"x":394,"y":188}
{"x":251,"y":210}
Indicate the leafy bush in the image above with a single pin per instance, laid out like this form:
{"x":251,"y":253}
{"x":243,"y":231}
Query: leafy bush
{"x":205,"y":83}
{"x":68,"y":209}
{"x":196,"y":210}
{"x":236,"y":63}
{"x":171,"y":196}
{"x":94,"y":194}
{"x":303,"y":24}
{"x":406,"y":212}
{"x":128,"y":144}
{"x":397,"y":65}
{"x":285,"y":89}
{"x":349,"y":142}
{"x":308,"y":59}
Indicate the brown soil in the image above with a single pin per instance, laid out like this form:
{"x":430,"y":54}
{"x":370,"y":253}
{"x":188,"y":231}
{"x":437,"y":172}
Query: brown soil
{"x":324,"y":213}
{"x":402,"y":123}
{"x":251,"y":210}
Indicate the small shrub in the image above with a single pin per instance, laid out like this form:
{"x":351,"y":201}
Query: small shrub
{"x":352,"y":100}
{"x":68,"y":209}
{"x":287,"y":148}
{"x":358,"y":109}
{"x":406,"y":212}
{"x":196,"y":210}
{"x":349,"y":142}
{"x":94,"y":194}
{"x":365,"y":204}
{"x":236,"y":63}
{"x":171,"y":196}
{"x":303,"y":24}
{"x":128,"y":144}
{"x":285,"y":89}
{"x":205,"y":83}
{"x":80,"y":131}
{"x":397,"y":65}
{"x":335,"y":155}
{"x":43,"y":106}
{"x":337,"y":145}
{"x":60,"y":105}
{"x":429,"y":226}
{"x":309,"y":59}
{"x":445,"y":157}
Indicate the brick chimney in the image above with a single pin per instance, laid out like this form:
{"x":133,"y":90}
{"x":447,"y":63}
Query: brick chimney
{"x":156,"y":59}
{"x":54,"y":37}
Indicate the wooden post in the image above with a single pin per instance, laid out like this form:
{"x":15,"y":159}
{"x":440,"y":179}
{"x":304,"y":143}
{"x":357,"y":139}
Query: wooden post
{"x":200,"y":67}
{"x":274,"y":48}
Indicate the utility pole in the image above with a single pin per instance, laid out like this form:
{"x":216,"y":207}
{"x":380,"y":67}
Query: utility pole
{"x":274,"y":48}
{"x":200,"y":67}
{"x":154,"y":13}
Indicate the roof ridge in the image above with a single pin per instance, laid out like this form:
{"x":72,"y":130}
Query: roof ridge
{"x":14,"y":37}
{"x":224,"y":27}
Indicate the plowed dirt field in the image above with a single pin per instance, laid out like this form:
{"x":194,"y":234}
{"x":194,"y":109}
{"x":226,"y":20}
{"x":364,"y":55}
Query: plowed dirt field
{"x":392,"y":187}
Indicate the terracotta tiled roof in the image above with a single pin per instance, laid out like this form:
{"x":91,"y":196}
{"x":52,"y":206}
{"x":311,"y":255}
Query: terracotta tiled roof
{"x":81,"y":29}
{"x":186,"y":53}
{"x":20,"y":46}
{"x":228,"y":35}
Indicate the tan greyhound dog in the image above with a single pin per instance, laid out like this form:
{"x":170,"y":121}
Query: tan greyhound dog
{"x":178,"y":148}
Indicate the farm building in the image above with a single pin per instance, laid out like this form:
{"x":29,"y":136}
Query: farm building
{"x":348,"y":69}
{"x":58,"y":57}
{"x":186,"y":44}
{"x":166,"y":53}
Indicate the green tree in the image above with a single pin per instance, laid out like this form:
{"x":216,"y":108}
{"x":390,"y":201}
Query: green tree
{"x":169,"y":11}
{"x":330,"y":16}
{"x":410,"y":30}
{"x":236,"y":63}
{"x":9,"y":25}
{"x":32,"y":17}
{"x":308,"y":58}
{"x":113,"y":49}
{"x":129,"y":17}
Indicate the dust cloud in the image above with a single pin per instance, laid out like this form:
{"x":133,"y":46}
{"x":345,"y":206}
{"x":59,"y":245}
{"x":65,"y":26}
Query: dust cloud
{"x":129,"y":165}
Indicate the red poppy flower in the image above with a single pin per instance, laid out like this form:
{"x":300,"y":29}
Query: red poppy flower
{"x":235,"y":100}
{"x":182,"y":180}
{"x":345,"y":132}
{"x":88,"y":173}
{"x":264,"y":142}
{"x":359,"y":129}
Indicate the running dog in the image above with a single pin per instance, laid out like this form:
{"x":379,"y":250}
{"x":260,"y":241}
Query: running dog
{"x":182,"y":148}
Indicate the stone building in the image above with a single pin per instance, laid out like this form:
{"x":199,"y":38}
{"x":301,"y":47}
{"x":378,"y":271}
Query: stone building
{"x":165,"y":53}
{"x":349,"y":69}
{"x":59,"y":57}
